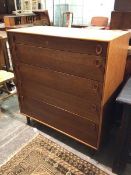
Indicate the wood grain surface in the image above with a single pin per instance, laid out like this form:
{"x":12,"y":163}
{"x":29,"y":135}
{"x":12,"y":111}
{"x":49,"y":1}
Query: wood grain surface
{"x":79,"y":64}
{"x":67,"y":82}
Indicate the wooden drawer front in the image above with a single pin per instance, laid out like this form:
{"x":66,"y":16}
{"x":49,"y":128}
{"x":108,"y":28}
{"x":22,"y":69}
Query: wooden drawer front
{"x":81,"y":46}
{"x":67,"y":92}
{"x":84,"y":88}
{"x":83,"y":65}
{"x":67,"y":102}
{"x":72,"y":125}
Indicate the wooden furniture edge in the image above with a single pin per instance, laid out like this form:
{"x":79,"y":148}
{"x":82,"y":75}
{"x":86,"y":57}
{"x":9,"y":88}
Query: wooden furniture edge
{"x":109,"y":89}
{"x":60,"y":131}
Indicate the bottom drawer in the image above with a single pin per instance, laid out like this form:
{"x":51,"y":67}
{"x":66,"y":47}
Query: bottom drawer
{"x":76,"y":127}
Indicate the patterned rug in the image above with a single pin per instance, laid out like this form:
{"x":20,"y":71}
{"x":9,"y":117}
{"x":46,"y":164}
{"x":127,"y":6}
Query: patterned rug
{"x":42,"y":156}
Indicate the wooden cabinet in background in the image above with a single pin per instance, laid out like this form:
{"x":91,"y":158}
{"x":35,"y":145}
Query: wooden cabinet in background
{"x":66,"y":78}
{"x":122,"y":5}
{"x":120,"y":20}
{"x":3,"y":7}
{"x":6,"y":7}
{"x":37,"y":18}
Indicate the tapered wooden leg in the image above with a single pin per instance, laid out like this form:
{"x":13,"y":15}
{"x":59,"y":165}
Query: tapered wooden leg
{"x":28,"y":120}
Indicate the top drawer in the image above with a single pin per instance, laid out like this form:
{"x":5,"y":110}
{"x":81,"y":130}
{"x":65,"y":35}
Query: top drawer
{"x":67,"y":44}
{"x":78,"y":64}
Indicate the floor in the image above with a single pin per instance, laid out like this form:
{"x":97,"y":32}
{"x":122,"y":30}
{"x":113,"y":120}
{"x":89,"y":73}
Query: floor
{"x":14,"y":133}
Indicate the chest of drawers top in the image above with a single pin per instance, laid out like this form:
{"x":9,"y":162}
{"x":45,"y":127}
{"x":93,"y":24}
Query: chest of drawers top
{"x":74,"y":33}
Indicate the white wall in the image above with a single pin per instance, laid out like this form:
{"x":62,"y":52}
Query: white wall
{"x":49,"y":7}
{"x":83,"y":10}
{"x":43,"y":4}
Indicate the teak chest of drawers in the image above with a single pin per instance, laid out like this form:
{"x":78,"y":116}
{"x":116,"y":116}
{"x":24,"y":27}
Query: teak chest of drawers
{"x":66,"y":77}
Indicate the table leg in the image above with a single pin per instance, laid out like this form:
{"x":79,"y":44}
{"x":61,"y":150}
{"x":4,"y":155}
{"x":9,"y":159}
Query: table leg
{"x":28,"y":120}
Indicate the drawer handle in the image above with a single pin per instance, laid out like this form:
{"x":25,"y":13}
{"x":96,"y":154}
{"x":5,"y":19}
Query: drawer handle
{"x":98,"y":49}
{"x":95,"y":87}
{"x":98,"y":63}
{"x":95,"y":109}
{"x":93,"y":126}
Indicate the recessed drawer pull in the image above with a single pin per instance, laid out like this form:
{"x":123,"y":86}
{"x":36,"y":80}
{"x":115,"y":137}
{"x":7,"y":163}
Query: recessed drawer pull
{"x":93,"y":126}
{"x":95,"y":87}
{"x":98,"y":63}
{"x":99,"y":49}
{"x":95,"y":109}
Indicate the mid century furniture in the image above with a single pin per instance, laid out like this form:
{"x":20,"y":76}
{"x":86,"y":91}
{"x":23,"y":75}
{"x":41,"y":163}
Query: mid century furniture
{"x":66,"y":77}
{"x":123,"y":144}
{"x":18,"y":21}
{"x":99,"y":21}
